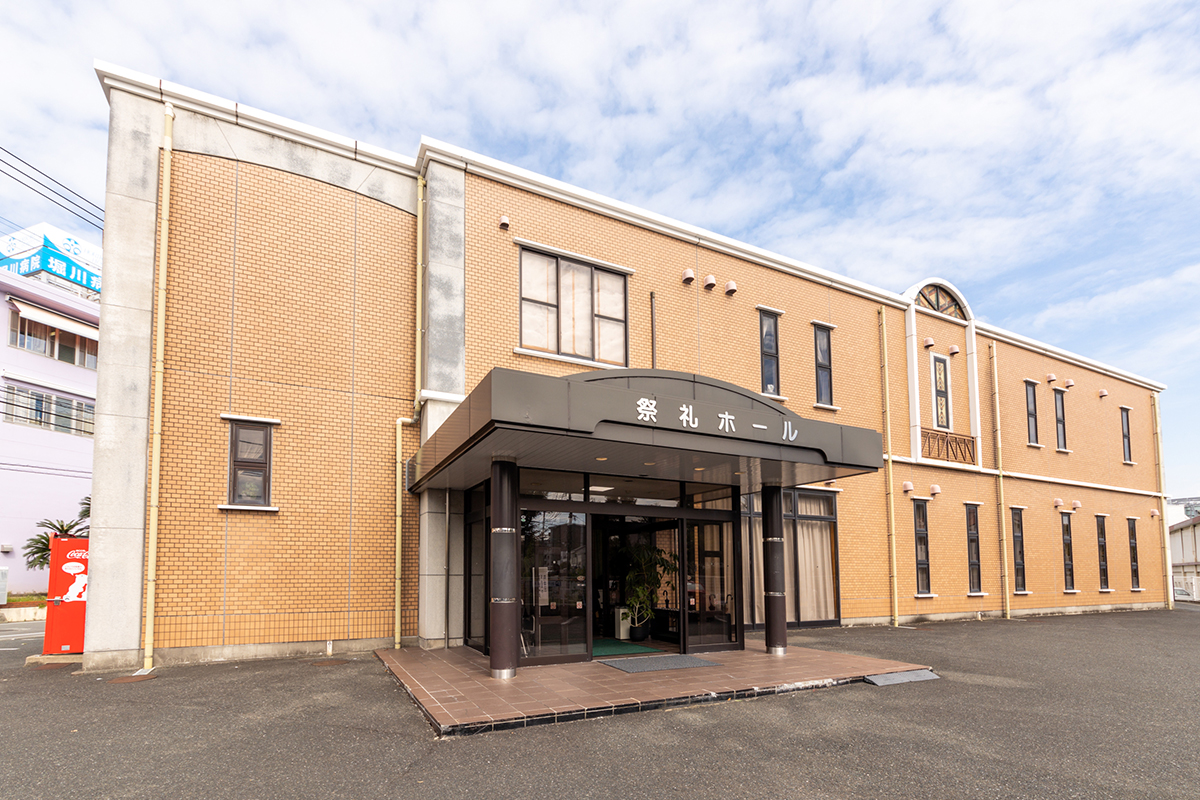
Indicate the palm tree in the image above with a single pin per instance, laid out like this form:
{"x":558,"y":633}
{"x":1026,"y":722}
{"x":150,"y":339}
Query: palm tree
{"x":37,"y":549}
{"x":85,"y":514}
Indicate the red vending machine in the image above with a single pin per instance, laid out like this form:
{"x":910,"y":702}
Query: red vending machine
{"x":66,"y":599}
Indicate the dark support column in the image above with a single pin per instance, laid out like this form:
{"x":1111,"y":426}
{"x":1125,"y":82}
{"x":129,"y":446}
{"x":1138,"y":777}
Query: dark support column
{"x":504,"y":631}
{"x":774,"y":590}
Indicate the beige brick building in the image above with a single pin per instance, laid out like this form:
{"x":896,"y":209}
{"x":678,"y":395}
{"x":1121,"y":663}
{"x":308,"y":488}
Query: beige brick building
{"x":326,"y":364}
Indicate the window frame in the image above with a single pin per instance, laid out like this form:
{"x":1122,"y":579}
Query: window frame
{"x":1031,"y":411}
{"x":934,"y":359}
{"x":765,"y":354}
{"x":18,"y":337}
{"x":1134,"y":576}
{"x":1102,"y":550}
{"x":1127,"y":447}
{"x":46,"y":411}
{"x":974,"y":573}
{"x":236,"y":464}
{"x":1060,"y":417}
{"x":1068,"y":553}
{"x":557,"y":305}
{"x":921,"y":535}
{"x":1018,"y":526}
{"x":823,"y":368}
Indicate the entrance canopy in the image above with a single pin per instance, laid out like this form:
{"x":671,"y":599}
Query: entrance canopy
{"x":644,"y":423}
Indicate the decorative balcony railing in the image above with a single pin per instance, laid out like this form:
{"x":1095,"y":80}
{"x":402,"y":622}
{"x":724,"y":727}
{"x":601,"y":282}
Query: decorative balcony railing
{"x":946,"y":446}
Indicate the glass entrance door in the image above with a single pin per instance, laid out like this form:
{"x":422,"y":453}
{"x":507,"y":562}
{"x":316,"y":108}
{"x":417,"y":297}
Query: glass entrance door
{"x":712,"y":609}
{"x":554,"y":586}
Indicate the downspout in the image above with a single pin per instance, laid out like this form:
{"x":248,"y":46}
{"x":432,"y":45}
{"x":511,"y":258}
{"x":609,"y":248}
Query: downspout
{"x":160,"y":320}
{"x":887,"y":462}
{"x":419,"y":328}
{"x":1168,"y":579}
{"x":1000,"y":485}
{"x":400,"y":423}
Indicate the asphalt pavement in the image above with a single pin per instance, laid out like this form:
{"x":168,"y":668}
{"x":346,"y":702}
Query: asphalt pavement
{"x":1091,"y":706}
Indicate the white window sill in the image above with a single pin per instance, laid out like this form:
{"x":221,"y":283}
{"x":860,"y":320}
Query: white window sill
{"x":1137,"y":590}
{"x":248,"y":508}
{"x":1129,"y":463}
{"x":1061,"y":450}
{"x":1071,"y":591}
{"x":977,"y":594}
{"x":1035,"y":444}
{"x":1105,"y":591}
{"x":262,"y":420}
{"x":776,"y":397}
{"x":583,"y":362}
{"x":1022,"y":593}
{"x":827,"y":408}
{"x":924,"y":596}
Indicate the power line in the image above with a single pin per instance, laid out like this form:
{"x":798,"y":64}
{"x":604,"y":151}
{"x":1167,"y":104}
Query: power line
{"x":98,"y":225}
{"x":26,"y":178}
{"x":56,"y":183}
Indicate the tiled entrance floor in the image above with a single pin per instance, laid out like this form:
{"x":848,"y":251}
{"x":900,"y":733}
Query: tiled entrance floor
{"x":455,"y":690}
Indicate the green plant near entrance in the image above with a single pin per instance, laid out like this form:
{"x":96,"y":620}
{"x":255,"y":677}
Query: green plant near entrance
{"x":648,"y":570}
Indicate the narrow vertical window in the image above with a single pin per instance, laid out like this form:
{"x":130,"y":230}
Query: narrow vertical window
{"x":824,"y":366}
{"x":1031,"y":410}
{"x":1133,"y":559}
{"x":976,"y":583}
{"x":1125,"y":435}
{"x":941,"y":392}
{"x":1102,"y":549}
{"x":768,"y":326}
{"x":1018,"y":551}
{"x":1068,"y":557}
{"x":1060,"y":418}
{"x":250,"y":464}
{"x":921,"y":527}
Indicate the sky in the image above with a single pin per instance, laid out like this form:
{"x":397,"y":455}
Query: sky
{"x":1044,"y":157}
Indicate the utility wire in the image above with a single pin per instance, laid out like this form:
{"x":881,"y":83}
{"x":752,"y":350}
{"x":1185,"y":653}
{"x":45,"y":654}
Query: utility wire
{"x":98,"y":225}
{"x":26,"y":177}
{"x":47,"y":177}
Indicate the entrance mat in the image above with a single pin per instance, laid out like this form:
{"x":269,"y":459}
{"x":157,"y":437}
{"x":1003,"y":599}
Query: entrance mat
{"x":617,"y":647}
{"x":891,"y":678}
{"x":656,"y":663}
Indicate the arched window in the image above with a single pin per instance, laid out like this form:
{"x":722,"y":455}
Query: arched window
{"x":941,"y":300}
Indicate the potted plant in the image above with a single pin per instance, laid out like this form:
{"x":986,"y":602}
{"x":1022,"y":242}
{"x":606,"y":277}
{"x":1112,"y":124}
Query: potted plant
{"x":649,"y":567}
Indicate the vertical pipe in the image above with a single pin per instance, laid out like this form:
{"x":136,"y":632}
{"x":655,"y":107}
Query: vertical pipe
{"x":160,"y":320}
{"x":1168,"y":580}
{"x":1000,"y":511}
{"x":889,"y":486}
{"x":504,"y":623}
{"x":399,"y":551}
{"x":419,"y":311}
{"x":774,"y":587}
{"x":653,"y":334}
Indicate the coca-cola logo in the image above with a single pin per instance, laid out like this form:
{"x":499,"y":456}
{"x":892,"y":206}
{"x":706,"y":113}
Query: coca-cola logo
{"x":77,"y":554}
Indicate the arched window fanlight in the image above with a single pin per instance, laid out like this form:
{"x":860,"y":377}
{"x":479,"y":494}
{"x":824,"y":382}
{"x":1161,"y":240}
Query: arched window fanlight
{"x":940,"y":300}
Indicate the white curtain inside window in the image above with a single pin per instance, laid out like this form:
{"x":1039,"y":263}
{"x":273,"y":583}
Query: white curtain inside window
{"x":575,"y":310}
{"x":814,"y":548}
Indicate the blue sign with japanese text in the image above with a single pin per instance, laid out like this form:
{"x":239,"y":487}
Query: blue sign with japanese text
{"x":52,"y":260}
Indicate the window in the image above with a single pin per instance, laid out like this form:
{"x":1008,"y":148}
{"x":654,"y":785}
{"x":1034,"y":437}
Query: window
{"x":42,"y":339}
{"x":572,"y":309}
{"x":1133,"y":559}
{"x":768,"y":326}
{"x":1102,"y":548}
{"x":1031,"y":410}
{"x":921,"y":526}
{"x":63,"y":414}
{"x":250,"y":464}
{"x":976,"y":582}
{"x":941,"y":392}
{"x":1060,"y":418}
{"x":940,"y":300}
{"x":824,"y":365}
{"x":1125,"y":435}
{"x":1018,"y":551}
{"x":1068,"y":558}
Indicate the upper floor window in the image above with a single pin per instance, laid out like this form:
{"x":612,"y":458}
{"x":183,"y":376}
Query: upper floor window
{"x":1031,"y":410}
{"x":1128,"y":450}
{"x":1060,"y":417}
{"x":63,"y":414}
{"x":572,"y":309}
{"x":250,"y":464}
{"x":940,"y":300}
{"x":824,"y":365}
{"x":38,"y":337}
{"x":941,"y":392}
{"x":768,"y":326}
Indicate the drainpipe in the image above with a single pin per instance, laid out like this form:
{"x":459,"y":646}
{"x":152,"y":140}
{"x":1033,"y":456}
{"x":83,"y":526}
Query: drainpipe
{"x":887,"y":460}
{"x":160,"y":315}
{"x":1168,"y":582}
{"x":419,"y":328}
{"x":400,"y":423}
{"x":1000,"y":486}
